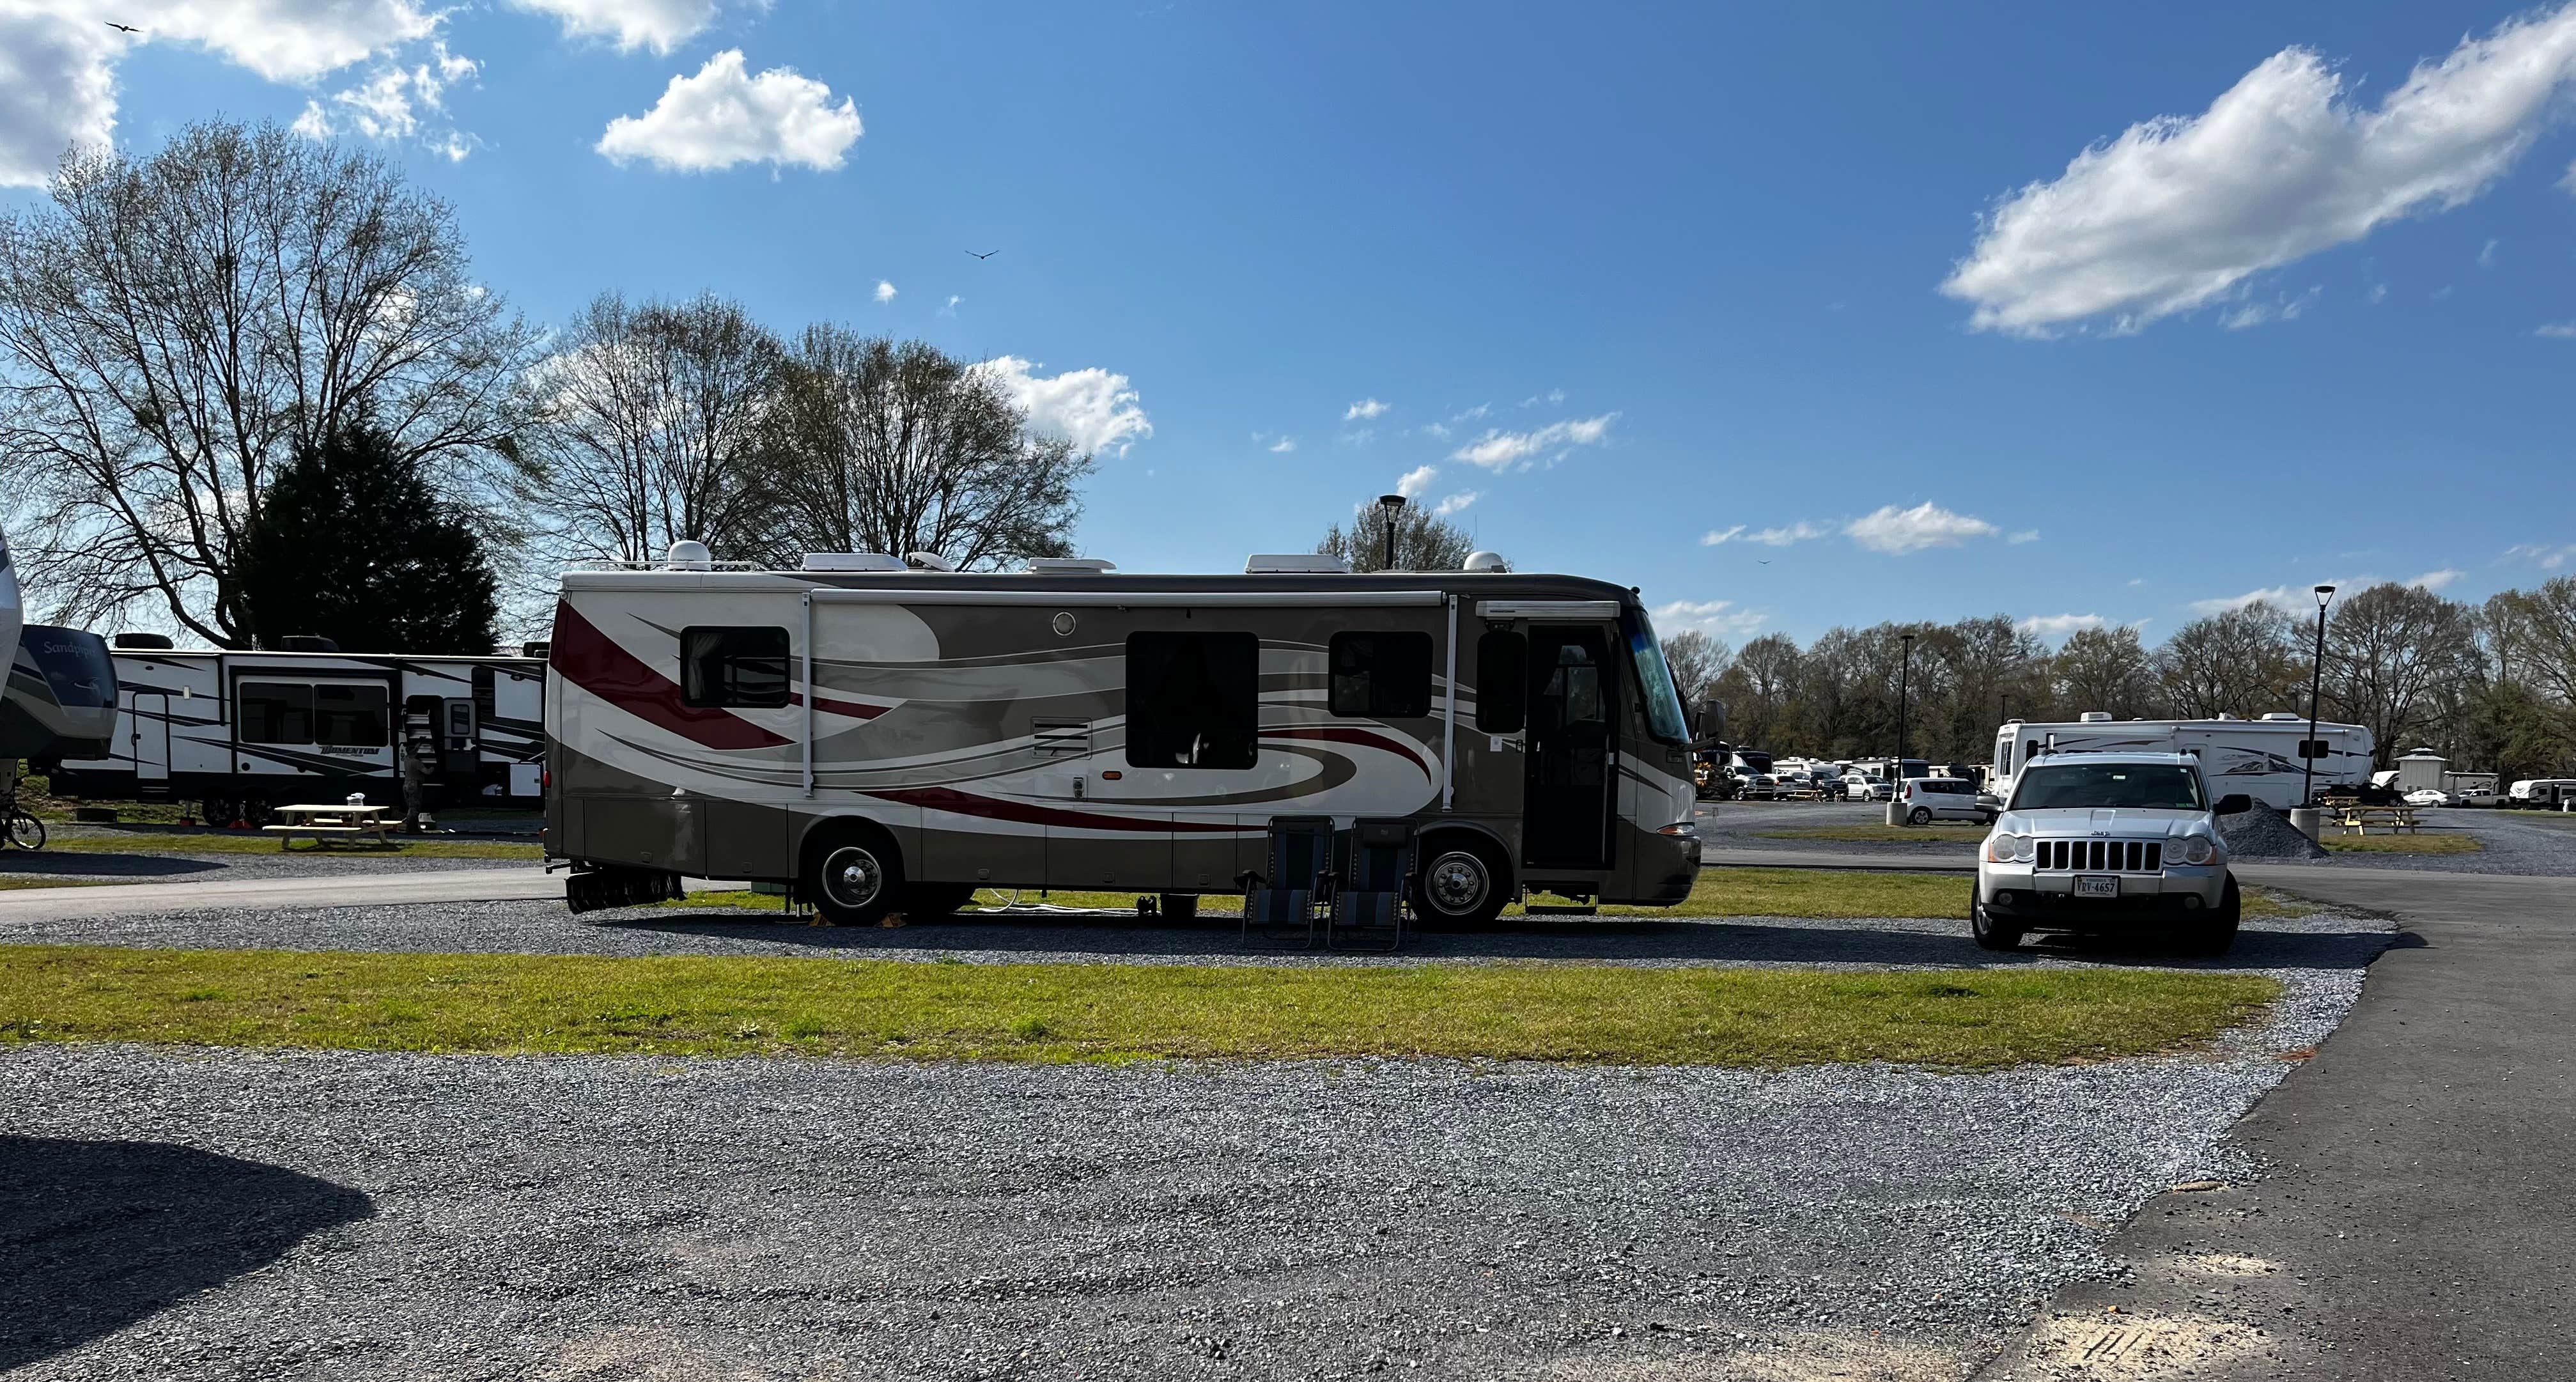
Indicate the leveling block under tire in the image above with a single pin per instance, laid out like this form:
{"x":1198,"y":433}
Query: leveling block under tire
{"x":598,"y":889}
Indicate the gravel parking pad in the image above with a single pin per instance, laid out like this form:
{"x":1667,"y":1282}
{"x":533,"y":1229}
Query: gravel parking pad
{"x":584,"y":1217}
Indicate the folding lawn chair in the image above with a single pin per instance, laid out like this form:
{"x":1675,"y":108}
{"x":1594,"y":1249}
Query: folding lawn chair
{"x":1280,"y":905}
{"x":1368,"y":907}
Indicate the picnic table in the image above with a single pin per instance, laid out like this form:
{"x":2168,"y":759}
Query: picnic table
{"x":328,"y":823}
{"x":2398,"y":819}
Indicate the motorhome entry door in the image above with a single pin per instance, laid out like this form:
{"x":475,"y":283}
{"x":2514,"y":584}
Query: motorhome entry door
{"x":1570,"y":763}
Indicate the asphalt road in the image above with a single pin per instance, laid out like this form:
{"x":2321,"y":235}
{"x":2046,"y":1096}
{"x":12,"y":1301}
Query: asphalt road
{"x":2416,"y":1220}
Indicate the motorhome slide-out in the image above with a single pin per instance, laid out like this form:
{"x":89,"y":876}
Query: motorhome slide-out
{"x":2266,"y":759}
{"x":907,"y":736}
{"x":241,"y":732}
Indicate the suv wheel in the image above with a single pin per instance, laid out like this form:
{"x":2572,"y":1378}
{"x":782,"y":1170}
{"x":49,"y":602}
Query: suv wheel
{"x":1991,"y":932}
{"x":2216,"y":934}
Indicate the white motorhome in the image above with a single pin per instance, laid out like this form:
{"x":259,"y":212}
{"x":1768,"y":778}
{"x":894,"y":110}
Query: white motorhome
{"x":890,"y":739}
{"x":242,"y":732}
{"x":2262,"y":759}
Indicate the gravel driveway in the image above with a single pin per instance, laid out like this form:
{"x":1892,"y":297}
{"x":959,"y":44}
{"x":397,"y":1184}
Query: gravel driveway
{"x":243,"y":1214}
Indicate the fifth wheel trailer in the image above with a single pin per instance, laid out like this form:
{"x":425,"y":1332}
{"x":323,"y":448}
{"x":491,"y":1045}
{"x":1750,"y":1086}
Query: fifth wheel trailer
{"x":892,"y":739}
{"x":242,"y":732}
{"x":2263,"y":758}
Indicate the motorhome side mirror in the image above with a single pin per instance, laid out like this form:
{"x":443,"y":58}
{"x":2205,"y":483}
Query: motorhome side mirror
{"x":2235,"y":804}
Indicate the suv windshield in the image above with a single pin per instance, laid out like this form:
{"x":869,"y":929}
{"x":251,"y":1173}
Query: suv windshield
{"x":2150,"y":786}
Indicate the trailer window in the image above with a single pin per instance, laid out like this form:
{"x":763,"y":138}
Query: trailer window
{"x":1502,"y":682}
{"x":1193,"y":700}
{"x":1385,"y":676}
{"x":276,"y":712}
{"x":350,"y":717}
{"x":733,"y":666}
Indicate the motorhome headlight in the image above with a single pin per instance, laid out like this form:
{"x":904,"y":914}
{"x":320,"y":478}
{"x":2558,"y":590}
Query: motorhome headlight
{"x":2009,"y":849}
{"x":2198,"y":849}
{"x":1688,"y":830}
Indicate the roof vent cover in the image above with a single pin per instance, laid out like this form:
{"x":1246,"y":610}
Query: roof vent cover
{"x":2094,"y":717}
{"x":929,"y":561}
{"x":1069,"y":566}
{"x":1295,"y":564}
{"x":851,"y":561}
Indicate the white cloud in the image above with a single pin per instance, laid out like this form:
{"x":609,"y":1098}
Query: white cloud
{"x":884,"y":292}
{"x":2378,"y":294}
{"x":2546,"y":557}
{"x":1800,"y":531}
{"x":2486,"y":256}
{"x":2436,"y":580}
{"x":1437,"y":430}
{"x":2296,"y":599}
{"x":1365,"y":408}
{"x":397,"y":102}
{"x":1898,"y":531}
{"x":2025,"y":535}
{"x":2283,"y":308}
{"x":58,"y":58}
{"x":1717,"y":537}
{"x":1417,"y":481}
{"x":2565,"y":331}
{"x":1497,"y":449}
{"x":2060,"y":625}
{"x":1551,"y":396}
{"x":660,"y":25}
{"x":1094,"y":409}
{"x":950,"y":309}
{"x":1455,"y":502}
{"x":723,"y":116}
{"x":1283,"y":445}
{"x":1471,"y":414}
{"x":2178,"y":212}
{"x":1709,"y":616}
{"x":1360,"y":436}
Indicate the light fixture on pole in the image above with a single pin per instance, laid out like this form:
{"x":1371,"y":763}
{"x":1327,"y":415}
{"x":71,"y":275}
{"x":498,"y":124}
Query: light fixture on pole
{"x":1903,"y":667}
{"x":2316,"y":682}
{"x":1391,"y":505}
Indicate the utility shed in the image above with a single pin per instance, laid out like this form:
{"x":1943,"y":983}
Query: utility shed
{"x":2419,"y":770}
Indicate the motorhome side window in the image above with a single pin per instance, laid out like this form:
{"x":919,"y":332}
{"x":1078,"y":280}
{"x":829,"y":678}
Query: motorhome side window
{"x":1502,"y":682}
{"x":733,"y":666}
{"x":1381,"y":675}
{"x":1193,"y":700}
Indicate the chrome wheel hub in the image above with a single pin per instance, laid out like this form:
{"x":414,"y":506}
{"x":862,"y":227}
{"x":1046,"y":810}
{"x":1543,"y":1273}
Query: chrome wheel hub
{"x":852,"y":876}
{"x":1456,"y":882}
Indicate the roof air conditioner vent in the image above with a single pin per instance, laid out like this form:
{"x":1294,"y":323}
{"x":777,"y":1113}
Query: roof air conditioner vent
{"x":140,"y":641}
{"x":2093,"y":717}
{"x":1295,"y":564}
{"x":2283,"y":716}
{"x":851,"y":561}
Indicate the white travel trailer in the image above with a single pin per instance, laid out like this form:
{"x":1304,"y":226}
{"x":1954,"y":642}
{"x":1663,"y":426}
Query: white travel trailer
{"x":242,"y":732}
{"x":2261,"y":758}
{"x":891,"y":739}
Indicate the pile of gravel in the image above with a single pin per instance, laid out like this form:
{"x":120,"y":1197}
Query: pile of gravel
{"x":2263,"y":833}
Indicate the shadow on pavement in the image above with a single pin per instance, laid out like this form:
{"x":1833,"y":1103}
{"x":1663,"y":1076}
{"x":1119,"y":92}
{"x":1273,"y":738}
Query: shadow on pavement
{"x":103,"y":865}
{"x":97,"y":1235}
{"x":1710,"y":941}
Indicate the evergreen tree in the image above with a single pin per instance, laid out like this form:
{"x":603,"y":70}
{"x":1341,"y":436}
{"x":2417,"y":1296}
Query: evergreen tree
{"x":354,"y":545}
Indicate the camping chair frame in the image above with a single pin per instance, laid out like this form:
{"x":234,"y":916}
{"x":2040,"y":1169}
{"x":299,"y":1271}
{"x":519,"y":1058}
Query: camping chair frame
{"x":1283,"y":906}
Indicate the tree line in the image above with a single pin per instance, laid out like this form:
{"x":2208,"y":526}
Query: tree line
{"x":2492,"y":686}
{"x":250,"y":388}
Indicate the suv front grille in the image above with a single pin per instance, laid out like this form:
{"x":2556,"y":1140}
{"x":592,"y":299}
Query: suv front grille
{"x":2103,"y":856}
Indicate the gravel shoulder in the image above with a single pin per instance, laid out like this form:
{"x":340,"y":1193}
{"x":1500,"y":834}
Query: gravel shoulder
{"x":584,"y":1217}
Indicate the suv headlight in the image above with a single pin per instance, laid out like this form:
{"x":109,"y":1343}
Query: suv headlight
{"x":2009,"y":849}
{"x":2198,"y":849}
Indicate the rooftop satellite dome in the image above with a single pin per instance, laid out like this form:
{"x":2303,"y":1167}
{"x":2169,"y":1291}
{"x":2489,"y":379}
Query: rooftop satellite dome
{"x":686,"y":555}
{"x":1486,"y":561}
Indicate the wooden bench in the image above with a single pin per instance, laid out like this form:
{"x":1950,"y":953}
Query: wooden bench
{"x":327,"y":823}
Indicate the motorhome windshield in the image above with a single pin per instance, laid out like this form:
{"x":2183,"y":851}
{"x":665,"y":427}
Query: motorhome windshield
{"x":2146,"y":786}
{"x":1663,"y":702}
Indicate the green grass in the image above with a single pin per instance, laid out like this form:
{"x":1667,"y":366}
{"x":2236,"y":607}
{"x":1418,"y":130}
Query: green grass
{"x":2402,"y":844}
{"x":1878,"y":834}
{"x":727,"y":1006}
{"x":114,"y":841}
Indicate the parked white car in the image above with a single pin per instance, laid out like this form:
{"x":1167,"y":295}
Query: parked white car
{"x":2109,"y":842}
{"x":1929,"y":799}
{"x":2428,"y":796}
{"x":1863,"y":787}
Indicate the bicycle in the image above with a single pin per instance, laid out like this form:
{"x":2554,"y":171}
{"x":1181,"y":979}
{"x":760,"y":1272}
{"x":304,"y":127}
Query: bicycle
{"x":24,"y":830}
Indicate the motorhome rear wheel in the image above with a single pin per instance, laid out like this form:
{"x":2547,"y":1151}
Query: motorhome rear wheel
{"x":853,"y":876}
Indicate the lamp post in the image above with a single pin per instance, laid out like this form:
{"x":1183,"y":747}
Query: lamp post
{"x":2316,"y":684}
{"x":1904,"y":666}
{"x":1391,"y":505}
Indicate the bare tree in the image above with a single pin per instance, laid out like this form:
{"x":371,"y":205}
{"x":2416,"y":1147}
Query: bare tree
{"x":657,"y":416}
{"x":2242,"y":662}
{"x":173,"y":326}
{"x":1760,"y":689}
{"x":1696,"y":659}
{"x":2107,"y":670}
{"x":1424,"y":541}
{"x":2389,"y":651}
{"x":880,"y":446}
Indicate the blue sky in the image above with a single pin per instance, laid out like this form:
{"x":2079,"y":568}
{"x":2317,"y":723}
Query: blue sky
{"x":1690,"y":264}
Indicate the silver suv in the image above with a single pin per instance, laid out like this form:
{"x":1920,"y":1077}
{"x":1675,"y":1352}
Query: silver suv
{"x":2109,"y":842}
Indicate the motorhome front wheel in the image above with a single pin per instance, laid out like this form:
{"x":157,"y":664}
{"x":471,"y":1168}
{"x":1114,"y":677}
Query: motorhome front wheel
{"x":1460,"y":887}
{"x":853,"y":878}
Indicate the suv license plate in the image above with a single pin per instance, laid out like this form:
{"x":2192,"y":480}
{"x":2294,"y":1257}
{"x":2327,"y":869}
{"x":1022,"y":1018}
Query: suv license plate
{"x":2097,"y":887}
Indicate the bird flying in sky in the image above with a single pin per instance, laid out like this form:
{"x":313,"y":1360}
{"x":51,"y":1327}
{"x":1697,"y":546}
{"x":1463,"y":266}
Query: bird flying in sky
{"x":986,"y":254}
{"x":123,"y":28}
